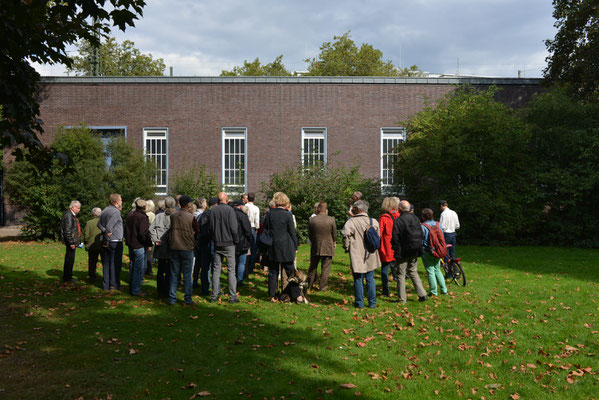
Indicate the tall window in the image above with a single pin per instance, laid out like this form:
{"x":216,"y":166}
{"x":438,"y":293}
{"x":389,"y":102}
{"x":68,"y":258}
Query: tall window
{"x":156,"y":148}
{"x":234,"y":159}
{"x":314,"y":146}
{"x":390,"y":138}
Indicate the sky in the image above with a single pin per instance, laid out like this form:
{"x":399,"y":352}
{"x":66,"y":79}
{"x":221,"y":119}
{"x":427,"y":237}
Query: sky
{"x":467,"y":37}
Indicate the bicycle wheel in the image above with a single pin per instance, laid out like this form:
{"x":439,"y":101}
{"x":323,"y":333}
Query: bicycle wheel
{"x":445,"y":268}
{"x":458,"y":275}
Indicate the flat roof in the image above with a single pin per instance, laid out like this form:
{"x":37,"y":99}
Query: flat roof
{"x":289,"y":79}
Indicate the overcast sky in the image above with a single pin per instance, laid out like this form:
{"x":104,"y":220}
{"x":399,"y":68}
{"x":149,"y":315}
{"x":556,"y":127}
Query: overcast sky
{"x":469,"y":37}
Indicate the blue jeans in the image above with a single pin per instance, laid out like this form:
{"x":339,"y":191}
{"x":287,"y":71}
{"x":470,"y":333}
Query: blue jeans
{"x":450,"y":239}
{"x":240,"y":265}
{"x":385,"y":276}
{"x":137,"y":270}
{"x":181,"y":261}
{"x":359,"y":289}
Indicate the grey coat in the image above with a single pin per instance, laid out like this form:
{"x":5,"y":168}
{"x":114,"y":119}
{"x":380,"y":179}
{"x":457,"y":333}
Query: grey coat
{"x":353,"y":242}
{"x":158,"y":232}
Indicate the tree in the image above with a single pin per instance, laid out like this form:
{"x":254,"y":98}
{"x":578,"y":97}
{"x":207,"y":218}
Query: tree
{"x":194,"y":182}
{"x":344,"y":58}
{"x":40,"y":31}
{"x":474,"y":152}
{"x":255,"y":68}
{"x":118,"y":59}
{"x":574,"y":52}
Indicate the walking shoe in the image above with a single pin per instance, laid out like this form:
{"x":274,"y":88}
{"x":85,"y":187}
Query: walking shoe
{"x":234,"y":301}
{"x":423,"y":298}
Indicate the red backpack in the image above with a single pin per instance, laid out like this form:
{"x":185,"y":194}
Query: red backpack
{"x":437,"y":246}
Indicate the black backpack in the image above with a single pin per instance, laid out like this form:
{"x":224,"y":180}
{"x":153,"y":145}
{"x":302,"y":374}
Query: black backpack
{"x":412,"y":236}
{"x":372,"y":240}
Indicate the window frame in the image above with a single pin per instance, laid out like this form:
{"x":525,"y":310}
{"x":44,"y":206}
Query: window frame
{"x":229,"y":132}
{"x":390,"y":133}
{"x":164,"y":130}
{"x":306,"y":134}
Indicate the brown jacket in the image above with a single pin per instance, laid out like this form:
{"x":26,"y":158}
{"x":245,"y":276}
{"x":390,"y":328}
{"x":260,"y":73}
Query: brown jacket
{"x":323,"y":235}
{"x":182,"y":231}
{"x":353,"y":241}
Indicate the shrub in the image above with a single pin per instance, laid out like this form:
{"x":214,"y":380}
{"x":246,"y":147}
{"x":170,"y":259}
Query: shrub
{"x":195,"y":182}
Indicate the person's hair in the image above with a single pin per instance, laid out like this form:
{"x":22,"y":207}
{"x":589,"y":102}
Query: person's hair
{"x":361,"y":205}
{"x":161,"y":204}
{"x":134,"y":205}
{"x":150,"y":207}
{"x":427,"y":214}
{"x":321,"y":207}
{"x":358,"y":195}
{"x":177,"y":197}
{"x":75,"y":203}
{"x":201,"y":202}
{"x":140,"y":204}
{"x":170,"y":202}
{"x":390,"y":203}
{"x":443,"y":203}
{"x":272,"y":204}
{"x":96,"y":211}
{"x":404,"y":205}
{"x":280,"y":199}
{"x":251,"y":196}
{"x":245,"y":209}
{"x":114,"y":198}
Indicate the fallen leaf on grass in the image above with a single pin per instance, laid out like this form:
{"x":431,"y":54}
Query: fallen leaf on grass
{"x":515,"y":396}
{"x":348,"y":385}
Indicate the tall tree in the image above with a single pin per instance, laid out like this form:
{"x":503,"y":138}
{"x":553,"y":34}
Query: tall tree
{"x":118,"y":59}
{"x":343,"y":58}
{"x":255,"y":68}
{"x":574,"y":52}
{"x":40,"y":31}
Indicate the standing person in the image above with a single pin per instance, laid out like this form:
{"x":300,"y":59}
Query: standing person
{"x":432,"y":265}
{"x":406,"y":241}
{"x":355,"y":197}
{"x":244,"y":233}
{"x":70,"y":234}
{"x":111,"y":225}
{"x":362,"y":262}
{"x":150,"y":208}
{"x":322,"y":231}
{"x":181,"y":242}
{"x":391,"y":207}
{"x":158,"y":232}
{"x":254,"y":216}
{"x":223,"y":230}
{"x":201,"y":205}
{"x":450,"y":223}
{"x":93,"y":243}
{"x":206,"y":248}
{"x":139,"y":241}
{"x":281,"y":254}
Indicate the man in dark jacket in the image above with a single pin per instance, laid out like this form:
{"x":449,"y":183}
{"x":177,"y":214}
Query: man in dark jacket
{"x":70,"y":232}
{"x":223,"y":230}
{"x":181,"y":243}
{"x":244,"y":233}
{"x":406,"y":242}
{"x":138,"y":239}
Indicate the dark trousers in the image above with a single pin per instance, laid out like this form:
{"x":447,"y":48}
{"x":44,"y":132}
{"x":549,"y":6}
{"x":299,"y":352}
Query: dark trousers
{"x":69,"y":261}
{"x":204,"y":254}
{"x":273,"y":275}
{"x":148,"y":262}
{"x":163,"y":277}
{"x":92,"y":260}
{"x":325,"y":271}
{"x":112,"y":262}
{"x":450,"y":239}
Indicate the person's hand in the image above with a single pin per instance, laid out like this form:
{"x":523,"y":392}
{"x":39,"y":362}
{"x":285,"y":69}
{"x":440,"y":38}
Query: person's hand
{"x":109,"y":234}
{"x":73,"y":247}
{"x":158,"y":243}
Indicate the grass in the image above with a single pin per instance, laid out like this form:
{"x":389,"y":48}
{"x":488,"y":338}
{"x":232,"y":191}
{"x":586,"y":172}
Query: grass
{"x":526,"y":326}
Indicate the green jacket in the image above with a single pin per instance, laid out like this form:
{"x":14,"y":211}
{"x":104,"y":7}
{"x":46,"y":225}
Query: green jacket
{"x":92,"y":235}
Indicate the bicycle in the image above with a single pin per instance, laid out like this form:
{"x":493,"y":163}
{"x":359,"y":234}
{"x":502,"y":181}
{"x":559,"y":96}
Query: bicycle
{"x":453,"y":269}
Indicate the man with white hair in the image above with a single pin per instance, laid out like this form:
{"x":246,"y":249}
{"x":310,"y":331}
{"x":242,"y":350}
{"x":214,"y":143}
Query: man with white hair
{"x":93,"y":243}
{"x":70,"y":234}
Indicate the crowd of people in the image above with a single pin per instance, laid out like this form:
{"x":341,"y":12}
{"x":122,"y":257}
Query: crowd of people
{"x":191,"y":240}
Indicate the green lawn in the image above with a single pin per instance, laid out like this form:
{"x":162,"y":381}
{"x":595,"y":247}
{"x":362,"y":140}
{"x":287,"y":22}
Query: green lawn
{"x":526,"y":326}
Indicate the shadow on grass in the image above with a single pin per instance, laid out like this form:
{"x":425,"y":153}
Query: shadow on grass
{"x":65,"y":341}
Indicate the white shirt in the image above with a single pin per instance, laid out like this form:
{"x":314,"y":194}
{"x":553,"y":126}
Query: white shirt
{"x":253,"y":215}
{"x":449,"y":221}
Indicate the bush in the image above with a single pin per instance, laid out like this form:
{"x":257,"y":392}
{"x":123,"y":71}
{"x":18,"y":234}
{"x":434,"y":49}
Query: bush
{"x":332,"y":184}
{"x":74,"y":167}
{"x":194,"y":182}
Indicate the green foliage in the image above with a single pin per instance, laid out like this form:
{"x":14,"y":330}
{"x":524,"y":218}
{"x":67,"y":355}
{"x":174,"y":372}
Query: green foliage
{"x":74,"y":167}
{"x":565,"y":143}
{"x":255,"y":68}
{"x":471,"y":151}
{"x":118,"y":59}
{"x":40,"y":31}
{"x":344,"y":58}
{"x":573,"y":58}
{"x":195,"y":182}
{"x":332,"y":184}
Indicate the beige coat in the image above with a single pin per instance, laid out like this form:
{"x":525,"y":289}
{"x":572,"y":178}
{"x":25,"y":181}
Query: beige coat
{"x":353,"y":242}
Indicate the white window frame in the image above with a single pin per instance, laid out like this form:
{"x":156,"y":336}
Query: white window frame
{"x":318,"y":133}
{"x":158,"y":133}
{"x":234,"y":133}
{"x":390,"y":133}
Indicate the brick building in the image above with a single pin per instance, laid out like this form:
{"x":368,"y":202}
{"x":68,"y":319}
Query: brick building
{"x":245,"y":128}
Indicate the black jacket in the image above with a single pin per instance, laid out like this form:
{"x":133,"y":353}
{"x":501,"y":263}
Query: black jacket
{"x":223,"y":225}
{"x":137,"y":230}
{"x":69,"y":229}
{"x":406,"y":238}
{"x":244,"y":232}
{"x":284,"y":235}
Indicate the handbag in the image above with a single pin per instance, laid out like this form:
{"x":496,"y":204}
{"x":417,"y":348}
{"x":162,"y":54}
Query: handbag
{"x":265,"y":237}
